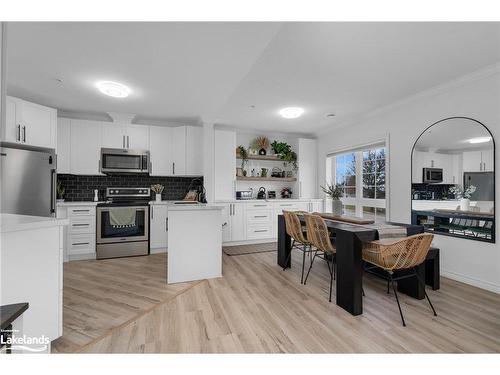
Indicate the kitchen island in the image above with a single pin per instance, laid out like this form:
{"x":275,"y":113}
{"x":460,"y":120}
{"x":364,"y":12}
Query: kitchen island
{"x":31,"y":272}
{"x":194,"y":242}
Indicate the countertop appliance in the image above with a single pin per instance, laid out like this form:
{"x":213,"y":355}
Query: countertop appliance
{"x":28,"y":180}
{"x":286,"y":193}
{"x":432,"y":175}
{"x":261,"y":194}
{"x":484,"y":183}
{"x":244,"y":194}
{"x":118,"y":160}
{"x":123,"y":223}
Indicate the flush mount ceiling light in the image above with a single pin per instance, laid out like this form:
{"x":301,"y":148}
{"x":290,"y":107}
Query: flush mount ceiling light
{"x":291,"y":112}
{"x":480,"y":140}
{"x":114,"y":89}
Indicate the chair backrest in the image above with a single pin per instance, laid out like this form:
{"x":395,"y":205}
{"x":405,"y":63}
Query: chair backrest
{"x":409,"y":252}
{"x":317,"y":233}
{"x":293,"y":226}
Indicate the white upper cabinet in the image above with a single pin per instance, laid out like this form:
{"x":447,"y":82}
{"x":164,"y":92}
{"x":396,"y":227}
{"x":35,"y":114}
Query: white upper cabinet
{"x":159,"y":148}
{"x":63,"y":149}
{"x":178,"y":147}
{"x":478,"y":161}
{"x":194,"y":151}
{"x":487,"y":159}
{"x":137,"y":137}
{"x":85,"y":145}
{"x":30,"y":123}
{"x":307,"y":161}
{"x":125,"y":136}
{"x":225,"y":164}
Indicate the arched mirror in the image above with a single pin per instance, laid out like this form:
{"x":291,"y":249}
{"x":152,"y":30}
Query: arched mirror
{"x":453,"y":180}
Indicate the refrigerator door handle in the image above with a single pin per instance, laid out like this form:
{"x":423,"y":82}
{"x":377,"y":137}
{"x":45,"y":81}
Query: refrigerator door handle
{"x":54,"y":191}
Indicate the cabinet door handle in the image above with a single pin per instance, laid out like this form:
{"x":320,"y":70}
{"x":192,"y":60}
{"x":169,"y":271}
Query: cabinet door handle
{"x":256,"y":216}
{"x":81,"y":210}
{"x":123,"y":141}
{"x":152,"y":212}
{"x":259,"y":205}
{"x":80,"y":243}
{"x":260,"y":231}
{"x":18,"y":138}
{"x":128,"y":142}
{"x":24,"y":134}
{"x":80,"y":225}
{"x":166,"y":224}
{"x":173,"y":168}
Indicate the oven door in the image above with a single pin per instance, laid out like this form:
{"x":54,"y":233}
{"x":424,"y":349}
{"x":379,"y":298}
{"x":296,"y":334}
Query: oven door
{"x":124,"y":161}
{"x":122,"y":224}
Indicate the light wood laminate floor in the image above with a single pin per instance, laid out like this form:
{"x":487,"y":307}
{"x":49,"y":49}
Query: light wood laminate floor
{"x":102,"y":295}
{"x":258,"y":308}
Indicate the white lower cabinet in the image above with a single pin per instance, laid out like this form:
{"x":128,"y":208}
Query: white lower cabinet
{"x":80,"y":234}
{"x":254,"y":220}
{"x":158,"y":228}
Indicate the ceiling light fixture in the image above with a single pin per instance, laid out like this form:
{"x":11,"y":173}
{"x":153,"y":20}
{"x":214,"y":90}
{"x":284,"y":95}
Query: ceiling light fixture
{"x":479,"y":140}
{"x":291,"y":112}
{"x":114,"y":89}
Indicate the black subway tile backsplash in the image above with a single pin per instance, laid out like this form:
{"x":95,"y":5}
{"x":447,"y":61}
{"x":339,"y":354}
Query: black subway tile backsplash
{"x":81,"y":188}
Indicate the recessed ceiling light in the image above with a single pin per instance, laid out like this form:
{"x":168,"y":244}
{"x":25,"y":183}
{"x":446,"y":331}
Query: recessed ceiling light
{"x":114,"y":89}
{"x":291,"y":112}
{"x":480,"y":140}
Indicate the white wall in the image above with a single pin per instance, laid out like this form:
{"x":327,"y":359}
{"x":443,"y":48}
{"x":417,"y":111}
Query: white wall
{"x":476,"y":96}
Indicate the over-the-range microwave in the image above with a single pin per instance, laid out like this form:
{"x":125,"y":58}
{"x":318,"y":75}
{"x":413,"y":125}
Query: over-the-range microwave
{"x":118,"y":160}
{"x":432,"y":175}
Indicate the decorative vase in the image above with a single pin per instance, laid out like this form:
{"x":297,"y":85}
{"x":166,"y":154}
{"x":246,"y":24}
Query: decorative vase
{"x":239,"y":172}
{"x":158,"y":197}
{"x":464,"y":204}
{"x":244,"y":172}
{"x":262,"y":151}
{"x":336,"y":207}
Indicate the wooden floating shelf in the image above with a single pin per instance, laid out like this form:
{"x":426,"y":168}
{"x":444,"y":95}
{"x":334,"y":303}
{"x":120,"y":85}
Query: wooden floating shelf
{"x":262,"y":157}
{"x":282,"y":179}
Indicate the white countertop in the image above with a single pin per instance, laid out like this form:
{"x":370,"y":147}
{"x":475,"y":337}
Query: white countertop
{"x":78,"y":203}
{"x":194,"y":207}
{"x":14,"y":223}
{"x":269,"y":200}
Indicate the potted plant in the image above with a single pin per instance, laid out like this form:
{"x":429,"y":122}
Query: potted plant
{"x":335,"y":193}
{"x":261,"y":144}
{"x":463,"y":195}
{"x":158,"y":189}
{"x":60,"y":192}
{"x":284,"y":152}
{"x":243,"y":154}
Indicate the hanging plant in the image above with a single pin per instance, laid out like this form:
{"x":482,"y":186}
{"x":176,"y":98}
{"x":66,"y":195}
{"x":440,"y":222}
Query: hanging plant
{"x":284,"y":152}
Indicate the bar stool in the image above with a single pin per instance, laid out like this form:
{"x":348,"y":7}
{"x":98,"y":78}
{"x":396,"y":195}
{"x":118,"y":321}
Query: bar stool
{"x":395,"y":254}
{"x":299,"y":239}
{"x":319,"y":236}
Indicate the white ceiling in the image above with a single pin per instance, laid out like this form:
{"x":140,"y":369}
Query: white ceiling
{"x":452,"y":136}
{"x":193,"y":71}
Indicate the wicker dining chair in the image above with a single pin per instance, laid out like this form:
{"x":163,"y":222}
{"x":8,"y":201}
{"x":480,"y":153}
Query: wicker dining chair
{"x":299,"y":239}
{"x":319,"y":236}
{"x":396,"y":254}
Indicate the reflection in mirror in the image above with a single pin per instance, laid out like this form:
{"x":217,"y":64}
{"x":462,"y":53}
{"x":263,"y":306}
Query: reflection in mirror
{"x":453,"y":179}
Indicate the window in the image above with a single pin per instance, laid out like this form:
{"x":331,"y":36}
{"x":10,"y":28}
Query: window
{"x":361,"y":175}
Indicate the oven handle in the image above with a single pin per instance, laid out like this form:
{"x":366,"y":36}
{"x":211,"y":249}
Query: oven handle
{"x":106,"y":209}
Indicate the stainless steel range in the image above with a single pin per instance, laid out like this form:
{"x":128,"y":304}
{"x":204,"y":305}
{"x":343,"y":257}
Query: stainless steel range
{"x":123,"y":223}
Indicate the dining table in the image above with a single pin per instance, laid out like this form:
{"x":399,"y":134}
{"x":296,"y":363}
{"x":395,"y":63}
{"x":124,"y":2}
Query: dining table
{"x":349,"y":238}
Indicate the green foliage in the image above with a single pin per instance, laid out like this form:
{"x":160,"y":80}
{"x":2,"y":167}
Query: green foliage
{"x":243,"y":155}
{"x":284,"y":151}
{"x":333,"y":191}
{"x":60,"y":190}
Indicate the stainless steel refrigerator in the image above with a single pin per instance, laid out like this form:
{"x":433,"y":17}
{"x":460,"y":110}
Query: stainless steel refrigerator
{"x":484,"y":183}
{"x":28,"y":180}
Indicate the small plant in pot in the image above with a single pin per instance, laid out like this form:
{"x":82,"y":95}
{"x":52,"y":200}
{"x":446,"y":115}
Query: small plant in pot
{"x":463,"y":195}
{"x":335,"y":193}
{"x":60,"y":192}
{"x":284,"y":152}
{"x":243,"y":154}
{"x":157,"y":189}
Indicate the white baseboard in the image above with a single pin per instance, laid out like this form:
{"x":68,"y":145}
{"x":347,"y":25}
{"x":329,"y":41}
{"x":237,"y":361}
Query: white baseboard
{"x":82,"y":256}
{"x":471,"y":281}
{"x":158,"y":250}
{"x":249,"y":242}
